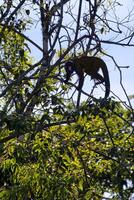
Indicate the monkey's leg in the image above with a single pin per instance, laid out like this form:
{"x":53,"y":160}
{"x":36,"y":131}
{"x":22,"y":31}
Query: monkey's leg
{"x":81,"y":81}
{"x":101,"y":80}
{"x":98,"y":77}
{"x":78,"y":99}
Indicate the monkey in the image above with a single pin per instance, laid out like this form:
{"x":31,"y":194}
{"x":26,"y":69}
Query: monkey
{"x":89,"y":65}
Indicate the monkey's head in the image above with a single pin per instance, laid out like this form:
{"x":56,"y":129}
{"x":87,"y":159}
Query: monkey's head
{"x":70,"y":68}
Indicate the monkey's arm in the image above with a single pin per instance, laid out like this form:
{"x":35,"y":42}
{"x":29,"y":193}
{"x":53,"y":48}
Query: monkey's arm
{"x":67,"y":78}
{"x":68,"y":75}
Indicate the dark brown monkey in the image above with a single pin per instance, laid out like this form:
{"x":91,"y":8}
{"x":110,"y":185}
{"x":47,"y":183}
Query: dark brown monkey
{"x":90,"y":66}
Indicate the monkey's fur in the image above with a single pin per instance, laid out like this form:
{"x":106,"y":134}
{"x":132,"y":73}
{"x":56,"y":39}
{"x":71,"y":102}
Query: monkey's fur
{"x":90,"y":66}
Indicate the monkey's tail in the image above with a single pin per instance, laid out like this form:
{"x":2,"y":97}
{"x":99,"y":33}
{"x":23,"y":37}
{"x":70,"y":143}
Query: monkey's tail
{"x":106,"y":80}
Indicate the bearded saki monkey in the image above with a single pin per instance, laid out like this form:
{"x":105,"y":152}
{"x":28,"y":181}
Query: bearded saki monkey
{"x":90,"y":66}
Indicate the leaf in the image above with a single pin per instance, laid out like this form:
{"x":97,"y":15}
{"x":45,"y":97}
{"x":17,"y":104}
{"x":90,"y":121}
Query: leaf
{"x":81,"y":185}
{"x":28,"y":12}
{"x":102,"y":30}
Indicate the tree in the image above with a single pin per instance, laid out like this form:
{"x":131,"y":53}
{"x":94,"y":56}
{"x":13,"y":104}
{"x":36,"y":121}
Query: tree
{"x":64,"y":152}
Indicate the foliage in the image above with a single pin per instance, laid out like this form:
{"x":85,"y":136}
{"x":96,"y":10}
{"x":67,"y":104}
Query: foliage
{"x":76,"y":161}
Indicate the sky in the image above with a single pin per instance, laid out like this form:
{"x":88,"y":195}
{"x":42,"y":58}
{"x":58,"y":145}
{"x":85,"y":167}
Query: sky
{"x":124,"y":56}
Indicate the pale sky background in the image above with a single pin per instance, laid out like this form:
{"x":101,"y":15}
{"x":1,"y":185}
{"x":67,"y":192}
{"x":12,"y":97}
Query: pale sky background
{"x":124,"y":56}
